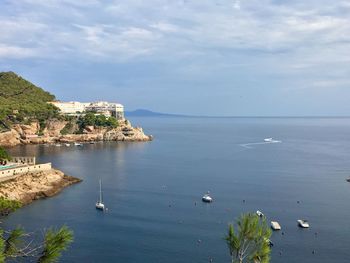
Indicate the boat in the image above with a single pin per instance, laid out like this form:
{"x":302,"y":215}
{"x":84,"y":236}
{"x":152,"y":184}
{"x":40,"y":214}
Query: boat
{"x":303,"y":223}
{"x":260,"y":214}
{"x":348,"y":180}
{"x":58,"y":145}
{"x":67,"y":144}
{"x":77,"y":144}
{"x":207,"y":198}
{"x":268,"y":140}
{"x":269,"y":242}
{"x":92,"y":142}
{"x":275,"y":225}
{"x":99,"y":204}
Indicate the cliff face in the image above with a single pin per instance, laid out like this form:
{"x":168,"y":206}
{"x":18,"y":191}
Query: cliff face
{"x":26,"y":134}
{"x":36,"y":185}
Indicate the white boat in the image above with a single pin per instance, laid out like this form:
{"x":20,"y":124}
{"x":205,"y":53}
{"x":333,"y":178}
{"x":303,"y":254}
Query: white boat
{"x":99,"y":204}
{"x":77,"y":144}
{"x":67,"y":144}
{"x":207,"y":198}
{"x":58,"y":145}
{"x":268,"y":140}
{"x":303,"y":223}
{"x":275,"y":225}
{"x":260,"y":214}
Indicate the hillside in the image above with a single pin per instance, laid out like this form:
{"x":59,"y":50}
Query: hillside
{"x":21,"y":100}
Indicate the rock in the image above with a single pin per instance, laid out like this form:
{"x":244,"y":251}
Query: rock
{"x":26,"y":134}
{"x":27,"y":130}
{"x":53,"y":128}
{"x":10,"y":138}
{"x":36,"y":185}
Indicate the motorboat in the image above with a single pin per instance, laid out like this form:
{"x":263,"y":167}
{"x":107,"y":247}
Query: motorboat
{"x":260,"y":214}
{"x":268,"y":140}
{"x":77,"y":144}
{"x":67,"y":144}
{"x":348,"y":180}
{"x":207,"y":198}
{"x":58,"y":145}
{"x":275,"y":225}
{"x":99,"y":204}
{"x":303,"y":223}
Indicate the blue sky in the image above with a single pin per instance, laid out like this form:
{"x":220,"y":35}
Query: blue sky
{"x":206,"y":57}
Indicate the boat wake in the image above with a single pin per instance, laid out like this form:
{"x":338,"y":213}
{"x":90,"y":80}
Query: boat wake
{"x":251,"y":144}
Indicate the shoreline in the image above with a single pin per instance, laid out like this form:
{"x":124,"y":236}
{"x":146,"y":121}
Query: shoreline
{"x":26,"y":134}
{"x":31,"y":186}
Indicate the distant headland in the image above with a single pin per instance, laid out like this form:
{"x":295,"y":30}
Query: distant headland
{"x":30,"y":115}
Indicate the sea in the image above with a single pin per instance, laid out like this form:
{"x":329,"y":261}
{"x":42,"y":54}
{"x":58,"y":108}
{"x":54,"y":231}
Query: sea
{"x":153,"y":190}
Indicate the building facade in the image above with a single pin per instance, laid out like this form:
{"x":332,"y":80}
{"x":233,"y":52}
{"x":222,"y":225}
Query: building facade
{"x":101,"y":107}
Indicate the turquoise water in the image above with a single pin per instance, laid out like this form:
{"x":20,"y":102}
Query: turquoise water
{"x":3,"y":167}
{"x":153,"y":190}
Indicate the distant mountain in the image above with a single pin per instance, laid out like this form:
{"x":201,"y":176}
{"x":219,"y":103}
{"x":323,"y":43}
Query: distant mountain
{"x":148,"y":113}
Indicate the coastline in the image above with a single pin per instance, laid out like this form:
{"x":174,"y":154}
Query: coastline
{"x":31,"y":186}
{"x":22,"y":134}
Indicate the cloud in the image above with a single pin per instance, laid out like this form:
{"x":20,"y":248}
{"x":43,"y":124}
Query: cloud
{"x":157,"y":27}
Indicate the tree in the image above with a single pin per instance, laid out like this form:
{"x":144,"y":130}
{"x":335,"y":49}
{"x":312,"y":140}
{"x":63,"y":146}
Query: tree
{"x":4,"y":155}
{"x":251,"y":243}
{"x":17,"y":244}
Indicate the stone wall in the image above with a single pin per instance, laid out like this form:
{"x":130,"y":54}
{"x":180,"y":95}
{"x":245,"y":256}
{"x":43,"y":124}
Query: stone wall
{"x":23,"y":160}
{"x":13,"y":172}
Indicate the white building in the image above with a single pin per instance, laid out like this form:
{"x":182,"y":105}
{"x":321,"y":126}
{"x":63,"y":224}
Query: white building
{"x":101,"y":107}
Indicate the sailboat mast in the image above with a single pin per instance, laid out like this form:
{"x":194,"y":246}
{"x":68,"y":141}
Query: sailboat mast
{"x":100,"y":191}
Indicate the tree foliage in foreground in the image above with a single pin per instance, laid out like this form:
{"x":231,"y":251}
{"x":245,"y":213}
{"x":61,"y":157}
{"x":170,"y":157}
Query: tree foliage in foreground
{"x":8,"y":206}
{"x":250,"y":243}
{"x":16,"y":245}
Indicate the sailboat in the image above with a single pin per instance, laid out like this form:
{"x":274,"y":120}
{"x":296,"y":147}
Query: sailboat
{"x":99,"y":204}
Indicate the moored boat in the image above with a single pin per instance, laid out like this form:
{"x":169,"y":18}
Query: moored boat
{"x":99,"y":204}
{"x":259,"y":213}
{"x":207,"y":198}
{"x":275,"y":225}
{"x":303,"y":223}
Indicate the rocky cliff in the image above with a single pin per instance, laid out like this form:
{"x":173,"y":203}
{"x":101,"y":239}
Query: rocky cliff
{"x":36,"y":185}
{"x":28,"y":134}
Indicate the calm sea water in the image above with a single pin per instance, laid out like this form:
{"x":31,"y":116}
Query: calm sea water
{"x":153,"y":190}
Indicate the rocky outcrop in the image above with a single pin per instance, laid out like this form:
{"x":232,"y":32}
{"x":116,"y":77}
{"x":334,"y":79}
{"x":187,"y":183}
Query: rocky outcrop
{"x":53,"y":128}
{"x":36,"y":185}
{"x":27,"y":134}
{"x":10,"y":138}
{"x":27,"y":130}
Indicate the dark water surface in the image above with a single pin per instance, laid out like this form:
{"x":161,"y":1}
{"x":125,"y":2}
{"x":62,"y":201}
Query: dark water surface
{"x":151,"y":189}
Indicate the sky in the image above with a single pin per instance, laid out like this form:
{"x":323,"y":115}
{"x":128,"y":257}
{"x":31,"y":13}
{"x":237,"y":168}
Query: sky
{"x":198,"y":57}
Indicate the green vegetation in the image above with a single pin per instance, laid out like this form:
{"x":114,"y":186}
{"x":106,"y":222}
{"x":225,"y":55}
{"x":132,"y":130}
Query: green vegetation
{"x":16,"y":245}
{"x":90,"y":119}
{"x":4,"y":156}
{"x":8,"y":206}
{"x":67,"y":128}
{"x":21,"y":101}
{"x":251,"y":242}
